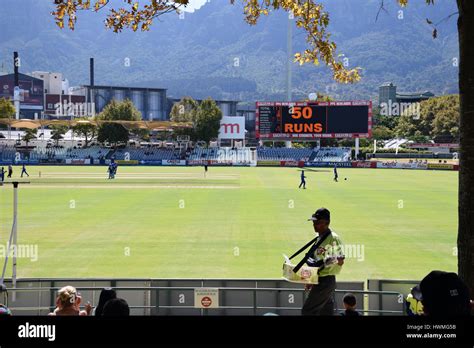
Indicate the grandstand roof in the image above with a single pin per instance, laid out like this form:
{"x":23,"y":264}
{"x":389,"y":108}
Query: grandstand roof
{"x":408,"y":95}
{"x":151,"y":125}
{"x":201,"y":99}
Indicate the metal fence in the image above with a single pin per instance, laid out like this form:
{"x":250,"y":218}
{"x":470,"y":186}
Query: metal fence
{"x":176,"y":296}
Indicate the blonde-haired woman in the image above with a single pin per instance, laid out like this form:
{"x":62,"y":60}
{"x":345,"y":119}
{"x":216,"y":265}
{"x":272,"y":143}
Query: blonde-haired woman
{"x":68,"y":302}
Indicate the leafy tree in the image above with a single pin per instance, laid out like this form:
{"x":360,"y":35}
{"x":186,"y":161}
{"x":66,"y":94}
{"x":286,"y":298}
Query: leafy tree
{"x":86,"y":130}
{"x":208,"y":120}
{"x":120,"y":111}
{"x":7,"y":110}
{"x":185,"y":110}
{"x":29,"y":135}
{"x":142,"y":134}
{"x":390,"y":122}
{"x":117,"y":111}
{"x":382,"y":133}
{"x":446,"y":111}
{"x":409,"y":127}
{"x":205,"y":118}
{"x":58,"y":132}
{"x":438,"y":117}
{"x":112,"y":133}
{"x":311,"y":17}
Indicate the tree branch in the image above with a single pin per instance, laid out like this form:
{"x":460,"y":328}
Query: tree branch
{"x":380,"y":9}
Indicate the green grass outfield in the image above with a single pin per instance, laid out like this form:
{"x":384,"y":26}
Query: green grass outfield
{"x":171,"y":222}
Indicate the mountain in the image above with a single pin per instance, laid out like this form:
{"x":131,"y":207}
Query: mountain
{"x":213,"y":52}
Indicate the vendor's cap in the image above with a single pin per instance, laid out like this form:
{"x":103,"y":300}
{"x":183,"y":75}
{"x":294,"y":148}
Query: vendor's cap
{"x":321,"y":214}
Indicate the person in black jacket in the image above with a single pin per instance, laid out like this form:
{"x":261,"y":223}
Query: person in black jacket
{"x":444,"y":294}
{"x":105,"y":295}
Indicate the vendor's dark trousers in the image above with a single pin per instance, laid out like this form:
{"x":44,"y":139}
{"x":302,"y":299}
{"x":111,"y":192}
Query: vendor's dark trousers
{"x":320,"y":299}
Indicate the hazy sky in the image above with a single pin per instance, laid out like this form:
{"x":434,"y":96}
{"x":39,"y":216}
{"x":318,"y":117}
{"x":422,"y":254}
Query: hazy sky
{"x":195,"y":4}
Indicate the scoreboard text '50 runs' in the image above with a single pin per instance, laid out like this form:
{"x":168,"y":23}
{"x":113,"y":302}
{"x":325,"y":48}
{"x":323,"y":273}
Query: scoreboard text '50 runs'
{"x":312,"y":120}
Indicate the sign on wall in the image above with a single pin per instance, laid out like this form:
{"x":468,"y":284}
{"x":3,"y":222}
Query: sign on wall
{"x":232,"y":128}
{"x":206,"y":298}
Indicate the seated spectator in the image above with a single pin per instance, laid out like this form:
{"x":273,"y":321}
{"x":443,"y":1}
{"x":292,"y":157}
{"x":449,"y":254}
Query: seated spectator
{"x":445,"y":294}
{"x":105,"y":295}
{"x":350,"y":304}
{"x":4,"y":311}
{"x":88,"y":306}
{"x":413,"y":302}
{"x":116,"y":307}
{"x":68,"y":302}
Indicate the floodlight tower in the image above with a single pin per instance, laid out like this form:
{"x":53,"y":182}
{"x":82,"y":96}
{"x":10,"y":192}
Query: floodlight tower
{"x":289,"y":62}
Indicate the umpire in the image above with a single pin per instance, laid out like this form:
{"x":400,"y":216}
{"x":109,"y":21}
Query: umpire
{"x":329,"y":257}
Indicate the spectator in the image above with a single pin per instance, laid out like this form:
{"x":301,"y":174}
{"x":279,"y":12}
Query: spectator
{"x":444,"y":294}
{"x":413,"y":302}
{"x":350,"y":304}
{"x":68,"y":302}
{"x":105,"y":295}
{"x":88,"y":306}
{"x":116,"y":307}
{"x":4,"y":311}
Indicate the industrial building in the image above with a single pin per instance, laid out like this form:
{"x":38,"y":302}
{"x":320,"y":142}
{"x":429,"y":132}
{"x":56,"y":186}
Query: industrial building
{"x":31,"y":94}
{"x":388,"y":95}
{"x":151,"y":102}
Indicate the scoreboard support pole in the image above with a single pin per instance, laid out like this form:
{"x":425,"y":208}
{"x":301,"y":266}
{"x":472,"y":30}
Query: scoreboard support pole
{"x":356,"y":148}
